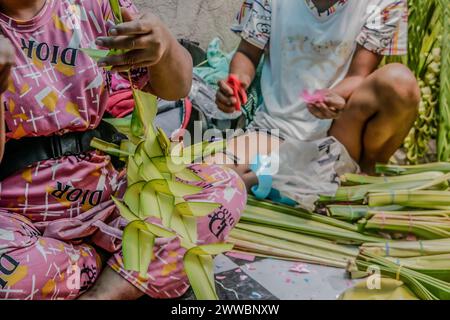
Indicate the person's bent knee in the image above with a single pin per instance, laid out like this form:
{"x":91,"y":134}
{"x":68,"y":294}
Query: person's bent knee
{"x":398,"y":84}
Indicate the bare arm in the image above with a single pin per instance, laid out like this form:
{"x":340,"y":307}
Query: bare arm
{"x":245,"y":62}
{"x":152,"y":46}
{"x":243,"y":66}
{"x":6,"y":62}
{"x":171,"y":78}
{"x":363,"y":64}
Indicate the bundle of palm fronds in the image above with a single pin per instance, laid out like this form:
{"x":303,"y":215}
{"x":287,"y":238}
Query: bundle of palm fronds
{"x":278,"y":231}
{"x":404,"y":201}
{"x":408,"y":249}
{"x":426,"y":276}
{"x":414,"y":202}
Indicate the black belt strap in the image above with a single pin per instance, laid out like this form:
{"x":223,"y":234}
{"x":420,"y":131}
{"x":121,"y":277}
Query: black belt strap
{"x":22,"y":153}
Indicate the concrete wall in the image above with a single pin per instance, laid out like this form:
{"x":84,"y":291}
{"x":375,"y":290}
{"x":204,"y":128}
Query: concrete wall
{"x":199,"y":20}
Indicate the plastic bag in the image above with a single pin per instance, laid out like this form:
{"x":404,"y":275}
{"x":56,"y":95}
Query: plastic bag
{"x":204,"y":98}
{"x":307,"y":169}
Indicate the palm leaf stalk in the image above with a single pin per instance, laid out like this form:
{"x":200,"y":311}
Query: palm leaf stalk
{"x":413,"y":213}
{"x":437,"y":266}
{"x":353,"y":213}
{"x":307,"y":226}
{"x":408,"y":249}
{"x":310,"y":241}
{"x":269,"y":207}
{"x":402,"y":204}
{"x":283,"y":250}
{"x":154,"y":203}
{"x":358,"y":193}
{"x":444,"y":215}
{"x":425,"y":227}
{"x":424,"y":286}
{"x":280,"y":254}
{"x":425,"y":199}
{"x":389,"y":169}
{"x":351,"y":179}
{"x":273,"y":242}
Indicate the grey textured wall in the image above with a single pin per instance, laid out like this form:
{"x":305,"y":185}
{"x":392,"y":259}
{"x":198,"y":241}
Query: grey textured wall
{"x":199,"y":20}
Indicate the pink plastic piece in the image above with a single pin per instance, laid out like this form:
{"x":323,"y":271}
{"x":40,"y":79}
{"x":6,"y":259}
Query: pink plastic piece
{"x":315,"y":97}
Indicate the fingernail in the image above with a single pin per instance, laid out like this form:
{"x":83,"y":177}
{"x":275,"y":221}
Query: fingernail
{"x":113,"y":32}
{"x":99,"y":42}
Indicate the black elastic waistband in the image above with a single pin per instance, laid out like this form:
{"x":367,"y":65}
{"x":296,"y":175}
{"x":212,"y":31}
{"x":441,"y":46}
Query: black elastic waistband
{"x":19,"y":154}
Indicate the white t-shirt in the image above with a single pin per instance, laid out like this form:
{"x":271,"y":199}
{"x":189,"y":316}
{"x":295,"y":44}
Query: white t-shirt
{"x":306,"y":50}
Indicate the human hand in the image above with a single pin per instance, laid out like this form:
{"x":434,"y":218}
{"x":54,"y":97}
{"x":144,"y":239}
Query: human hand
{"x":330,"y":107}
{"x":145,"y":36}
{"x":226,"y":98}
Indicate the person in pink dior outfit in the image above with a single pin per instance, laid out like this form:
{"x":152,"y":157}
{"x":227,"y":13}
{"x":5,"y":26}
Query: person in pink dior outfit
{"x":56,"y":214}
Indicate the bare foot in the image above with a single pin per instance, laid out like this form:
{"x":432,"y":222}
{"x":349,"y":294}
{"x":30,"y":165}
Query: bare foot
{"x":111,"y":286}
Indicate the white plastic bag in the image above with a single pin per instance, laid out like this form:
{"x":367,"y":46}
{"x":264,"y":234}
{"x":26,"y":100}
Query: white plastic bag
{"x":307,"y":170}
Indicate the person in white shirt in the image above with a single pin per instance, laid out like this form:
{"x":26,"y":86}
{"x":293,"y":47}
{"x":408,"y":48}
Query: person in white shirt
{"x":333,"y":48}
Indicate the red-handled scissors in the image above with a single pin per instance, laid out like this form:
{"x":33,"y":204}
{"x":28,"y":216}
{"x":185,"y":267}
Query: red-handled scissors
{"x":238,"y":91}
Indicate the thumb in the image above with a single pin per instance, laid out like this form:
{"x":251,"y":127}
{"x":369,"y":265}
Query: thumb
{"x":127,"y":15}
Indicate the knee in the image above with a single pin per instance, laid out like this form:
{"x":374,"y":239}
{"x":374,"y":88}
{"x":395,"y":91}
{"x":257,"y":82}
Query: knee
{"x":398,"y":85}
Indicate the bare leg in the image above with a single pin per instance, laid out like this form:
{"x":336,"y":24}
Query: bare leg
{"x":380,"y":115}
{"x":111,"y":286}
{"x":245,"y":148}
